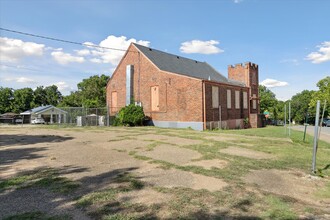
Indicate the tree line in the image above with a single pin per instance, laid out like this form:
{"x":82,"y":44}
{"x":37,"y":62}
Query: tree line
{"x":303,"y":104}
{"x":91,"y":93}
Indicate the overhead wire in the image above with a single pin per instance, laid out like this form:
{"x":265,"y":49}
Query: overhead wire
{"x":61,"y":40}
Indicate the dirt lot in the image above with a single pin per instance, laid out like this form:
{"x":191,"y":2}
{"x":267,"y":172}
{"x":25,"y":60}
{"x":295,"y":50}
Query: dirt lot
{"x":152,"y":173}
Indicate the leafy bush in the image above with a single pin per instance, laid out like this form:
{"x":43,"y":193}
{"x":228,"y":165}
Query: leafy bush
{"x":131,"y":115}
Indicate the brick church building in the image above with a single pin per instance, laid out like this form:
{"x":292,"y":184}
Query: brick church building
{"x":179,"y":92}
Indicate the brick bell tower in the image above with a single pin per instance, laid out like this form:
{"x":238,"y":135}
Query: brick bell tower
{"x":248,"y":74}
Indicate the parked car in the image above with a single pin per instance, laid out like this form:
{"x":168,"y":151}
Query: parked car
{"x":18,"y":121}
{"x":38,"y":121}
{"x":326,"y":123}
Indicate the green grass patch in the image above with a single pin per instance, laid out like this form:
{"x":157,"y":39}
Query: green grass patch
{"x":128,"y":183}
{"x":48,"y":178}
{"x":278,"y":209}
{"x":324,"y":193}
{"x":37,"y":215}
{"x":105,"y":205}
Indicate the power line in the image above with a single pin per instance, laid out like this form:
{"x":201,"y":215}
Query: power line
{"x":61,"y":40}
{"x":18,"y":67}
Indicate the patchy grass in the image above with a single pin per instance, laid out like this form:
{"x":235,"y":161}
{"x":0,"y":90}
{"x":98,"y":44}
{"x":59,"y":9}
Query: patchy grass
{"x":278,"y":209}
{"x":37,"y":215}
{"x":48,"y":178}
{"x":324,"y":193}
{"x":104,"y":204}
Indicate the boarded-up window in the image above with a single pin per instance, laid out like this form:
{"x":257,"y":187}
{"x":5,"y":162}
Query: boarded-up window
{"x":114,"y":102}
{"x":245,"y":101}
{"x":254,"y":102}
{"x":154,"y":98}
{"x":215,"y":97}
{"x":237,"y":99}
{"x":228,"y":98}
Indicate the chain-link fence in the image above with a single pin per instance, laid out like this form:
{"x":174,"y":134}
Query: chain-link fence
{"x":80,"y":116}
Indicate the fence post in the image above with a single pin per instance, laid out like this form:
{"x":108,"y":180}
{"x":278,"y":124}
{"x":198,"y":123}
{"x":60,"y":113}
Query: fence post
{"x":285,"y":118}
{"x":289,"y":119}
{"x":316,"y":135}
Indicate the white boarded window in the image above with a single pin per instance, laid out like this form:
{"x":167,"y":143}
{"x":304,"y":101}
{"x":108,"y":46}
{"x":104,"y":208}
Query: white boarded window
{"x":254,"y":102}
{"x":228,"y":98}
{"x":114,"y":102}
{"x":215,"y":97}
{"x":154,"y":90}
{"x":245,"y":101}
{"x":237,"y":99}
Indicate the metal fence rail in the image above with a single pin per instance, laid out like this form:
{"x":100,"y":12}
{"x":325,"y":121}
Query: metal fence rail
{"x":80,"y":116}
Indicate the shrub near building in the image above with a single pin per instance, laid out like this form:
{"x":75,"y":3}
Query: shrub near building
{"x":130,"y":115}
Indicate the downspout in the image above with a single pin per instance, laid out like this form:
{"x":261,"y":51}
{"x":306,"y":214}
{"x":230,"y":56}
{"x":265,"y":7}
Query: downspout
{"x":249,"y":107}
{"x":139,"y":83}
{"x":204,"y":106}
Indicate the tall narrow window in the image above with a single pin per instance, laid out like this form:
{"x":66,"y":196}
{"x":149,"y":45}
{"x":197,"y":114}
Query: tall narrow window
{"x":237,"y":99}
{"x":114,"y":100}
{"x":254,"y":102}
{"x":215,"y":97}
{"x":245,"y":101}
{"x":228,"y":98}
{"x":154,"y":90}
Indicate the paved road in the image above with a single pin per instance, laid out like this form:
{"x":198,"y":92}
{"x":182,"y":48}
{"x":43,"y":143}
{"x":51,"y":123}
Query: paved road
{"x":325,"y":131}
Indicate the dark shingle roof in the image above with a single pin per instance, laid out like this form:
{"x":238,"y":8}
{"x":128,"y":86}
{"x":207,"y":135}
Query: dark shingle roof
{"x":184,"y":66}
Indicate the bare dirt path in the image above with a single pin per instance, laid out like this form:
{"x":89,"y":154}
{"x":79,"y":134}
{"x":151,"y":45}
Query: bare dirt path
{"x":140,"y":171}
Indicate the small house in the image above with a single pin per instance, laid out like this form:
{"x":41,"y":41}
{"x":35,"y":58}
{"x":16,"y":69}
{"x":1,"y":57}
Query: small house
{"x":48,"y":113}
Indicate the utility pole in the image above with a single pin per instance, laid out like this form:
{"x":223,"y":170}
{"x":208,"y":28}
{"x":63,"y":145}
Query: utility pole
{"x":316,"y":135}
{"x":289,"y":119}
{"x":285,"y":118}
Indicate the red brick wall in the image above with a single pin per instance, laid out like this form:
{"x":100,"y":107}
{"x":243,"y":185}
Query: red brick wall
{"x":239,"y":73}
{"x":249,"y":74}
{"x":212,"y":114}
{"x":180,"y":97}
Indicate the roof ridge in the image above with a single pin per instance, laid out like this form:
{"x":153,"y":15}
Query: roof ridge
{"x":139,"y":45}
{"x":181,"y":65}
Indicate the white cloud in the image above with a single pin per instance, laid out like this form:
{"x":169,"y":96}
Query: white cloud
{"x":271,"y":83}
{"x":11,"y":50}
{"x":112,"y":56}
{"x":203,"y":47}
{"x":21,"y":80}
{"x":65,"y":58}
{"x":63,"y":87}
{"x":95,"y":60}
{"x":237,"y":1}
{"x":83,"y":52}
{"x":323,"y":54}
{"x":292,"y":61}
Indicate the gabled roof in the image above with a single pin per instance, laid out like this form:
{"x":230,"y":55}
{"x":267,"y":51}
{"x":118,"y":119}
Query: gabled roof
{"x":184,"y":66}
{"x":41,"y":109}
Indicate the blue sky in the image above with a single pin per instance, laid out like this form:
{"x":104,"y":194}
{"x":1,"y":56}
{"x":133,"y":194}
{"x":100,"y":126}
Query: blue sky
{"x":289,"y":40}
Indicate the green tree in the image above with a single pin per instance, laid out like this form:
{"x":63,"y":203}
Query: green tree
{"x":22,"y":100}
{"x":300,"y":105}
{"x":72,"y":100}
{"x":279,"y":110}
{"x":268,"y":100}
{"x":6,"y":97}
{"x":92,"y":91}
{"x":46,"y":96}
{"x":53,"y":96}
{"x":39,"y":96}
{"x":322,"y":94}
